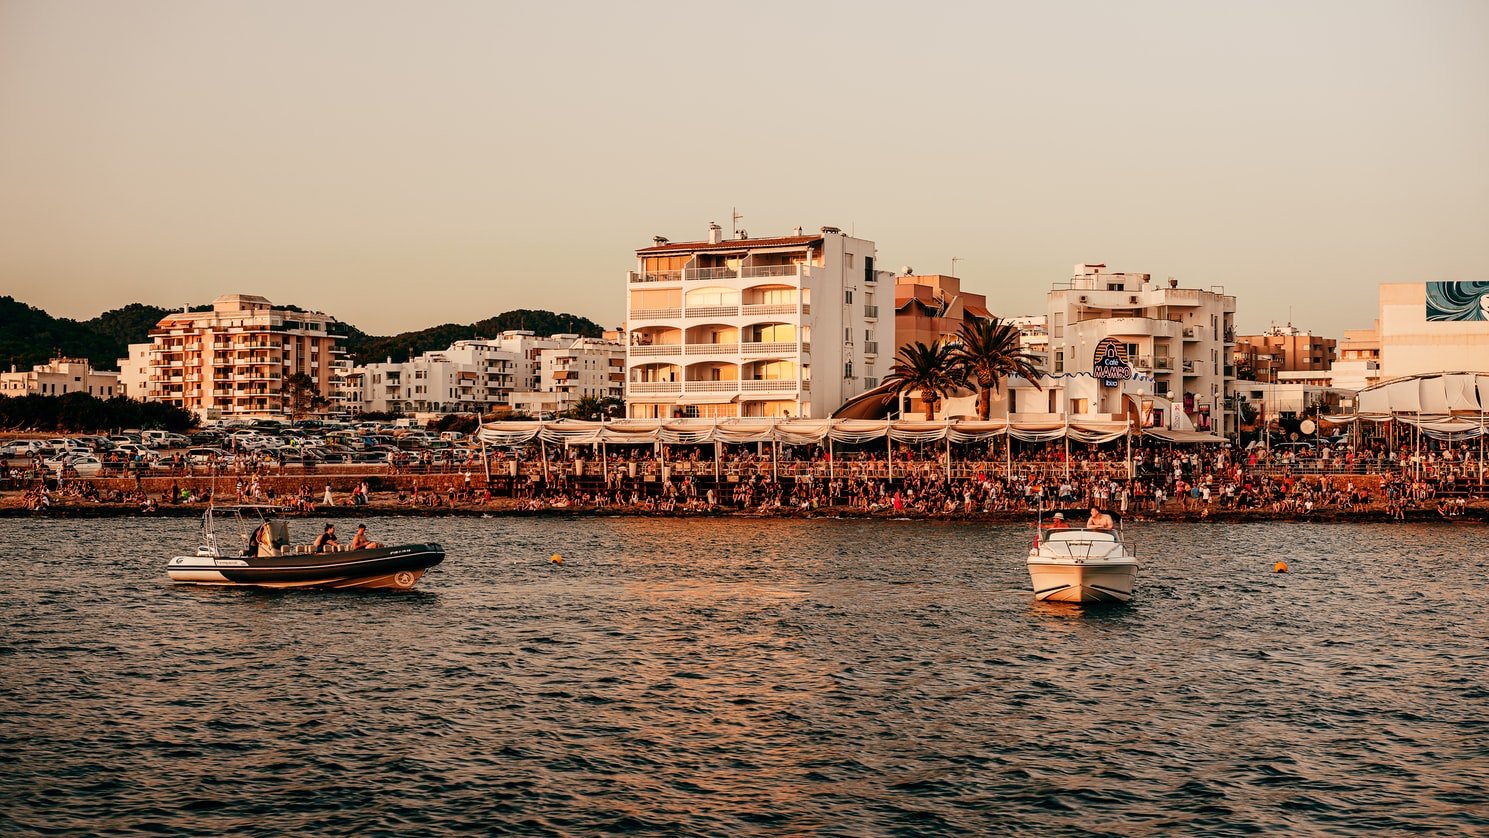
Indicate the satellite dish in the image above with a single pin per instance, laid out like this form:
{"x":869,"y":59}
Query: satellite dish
{"x":1307,"y":426}
{"x":906,"y":270}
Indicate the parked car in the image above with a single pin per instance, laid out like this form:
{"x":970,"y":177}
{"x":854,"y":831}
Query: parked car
{"x":204,"y":456}
{"x":85,"y":465}
{"x":23,"y":448}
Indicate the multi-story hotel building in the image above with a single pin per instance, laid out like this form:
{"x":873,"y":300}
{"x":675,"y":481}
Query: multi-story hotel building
{"x":782,"y":326}
{"x":61,"y":376}
{"x":1358,"y":366}
{"x":1181,"y":337}
{"x":234,"y":360}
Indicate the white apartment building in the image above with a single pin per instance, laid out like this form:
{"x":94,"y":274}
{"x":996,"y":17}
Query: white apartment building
{"x":471,"y":376}
{"x":588,"y":367}
{"x":484,"y":375}
{"x":233,"y":360}
{"x":59,"y":377}
{"x":781,"y":326}
{"x":1181,"y":337}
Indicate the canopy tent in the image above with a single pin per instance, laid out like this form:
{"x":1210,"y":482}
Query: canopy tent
{"x":1182,"y":436}
{"x":1445,"y":406}
{"x":796,"y":431}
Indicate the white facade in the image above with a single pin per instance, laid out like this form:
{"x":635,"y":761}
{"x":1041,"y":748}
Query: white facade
{"x":484,"y":375}
{"x":784,"y":326}
{"x":134,"y":372}
{"x":1411,"y":344}
{"x":586,"y":368}
{"x":59,"y":377}
{"x":1180,"y":337}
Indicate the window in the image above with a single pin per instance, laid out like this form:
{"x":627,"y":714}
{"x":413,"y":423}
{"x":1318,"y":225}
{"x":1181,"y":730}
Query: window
{"x":1059,"y":361}
{"x":848,"y":296}
{"x":848,"y":337}
{"x":848,"y":260}
{"x":848,"y":369}
{"x":1059,"y":324}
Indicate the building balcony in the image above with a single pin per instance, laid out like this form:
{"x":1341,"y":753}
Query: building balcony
{"x":711,"y":311}
{"x":711,"y":387}
{"x":787,"y":347}
{"x":654,"y":388}
{"x":786,"y":385}
{"x":871,"y":347}
{"x":773,"y":309}
{"x":656,"y":313}
{"x":1191,"y":333}
{"x":711,"y":349}
{"x":1131,"y":326}
{"x":871,"y":311}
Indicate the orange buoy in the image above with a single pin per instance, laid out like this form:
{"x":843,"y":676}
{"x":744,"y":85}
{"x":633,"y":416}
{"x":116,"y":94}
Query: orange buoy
{"x":1280,"y":567}
{"x":557,"y":559}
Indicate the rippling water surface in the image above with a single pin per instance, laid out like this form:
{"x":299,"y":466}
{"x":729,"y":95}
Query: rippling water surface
{"x":723,"y":677}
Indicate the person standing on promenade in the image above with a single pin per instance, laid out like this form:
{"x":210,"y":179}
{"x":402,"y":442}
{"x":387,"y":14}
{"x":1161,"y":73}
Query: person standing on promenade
{"x":327,"y":499}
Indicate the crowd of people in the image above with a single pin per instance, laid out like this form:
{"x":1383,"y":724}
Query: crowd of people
{"x":912,"y":480}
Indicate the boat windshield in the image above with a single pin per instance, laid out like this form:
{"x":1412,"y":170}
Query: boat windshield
{"x":1081,"y":535}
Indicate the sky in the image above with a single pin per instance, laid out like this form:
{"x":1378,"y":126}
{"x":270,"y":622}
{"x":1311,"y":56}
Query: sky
{"x":404,"y":164}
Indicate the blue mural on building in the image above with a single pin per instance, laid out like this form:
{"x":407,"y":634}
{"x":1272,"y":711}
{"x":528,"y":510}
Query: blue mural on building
{"x":1457,"y":301}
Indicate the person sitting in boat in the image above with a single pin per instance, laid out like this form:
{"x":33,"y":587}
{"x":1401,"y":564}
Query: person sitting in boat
{"x":1099,"y":520}
{"x":360,"y":540}
{"x":1059,"y":522}
{"x":326,"y":540}
{"x":263,"y":541}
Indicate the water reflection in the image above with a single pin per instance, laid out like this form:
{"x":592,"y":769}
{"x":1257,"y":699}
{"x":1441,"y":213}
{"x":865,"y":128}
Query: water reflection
{"x":750,"y":677}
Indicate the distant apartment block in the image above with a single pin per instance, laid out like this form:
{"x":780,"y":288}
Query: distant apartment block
{"x":233,"y":360}
{"x":1282,"y":349}
{"x":779,"y":326}
{"x":1181,"y":337}
{"x":479,"y":376}
{"x":58,"y":377}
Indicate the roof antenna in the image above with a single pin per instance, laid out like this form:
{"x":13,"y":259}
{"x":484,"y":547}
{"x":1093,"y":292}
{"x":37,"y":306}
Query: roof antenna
{"x":735,"y":218}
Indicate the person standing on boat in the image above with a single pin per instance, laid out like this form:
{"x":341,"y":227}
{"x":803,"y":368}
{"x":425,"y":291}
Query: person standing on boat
{"x":326,"y":540}
{"x":1099,"y":520}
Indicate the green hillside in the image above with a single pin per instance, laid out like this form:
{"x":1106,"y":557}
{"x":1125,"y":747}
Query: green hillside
{"x":29,"y":336}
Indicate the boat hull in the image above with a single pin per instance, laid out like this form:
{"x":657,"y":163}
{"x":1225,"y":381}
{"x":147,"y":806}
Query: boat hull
{"x":1067,"y":580}
{"x":397,"y":568}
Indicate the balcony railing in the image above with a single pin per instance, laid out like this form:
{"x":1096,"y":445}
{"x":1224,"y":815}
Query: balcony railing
{"x":642,"y":388}
{"x":870,"y":311}
{"x":712,"y":311}
{"x":712,"y":349}
{"x":712,"y":386}
{"x":771,"y":308}
{"x":769,"y":348}
{"x":655,"y":349}
{"x":656,"y":313}
{"x":785,"y":385}
{"x":656,"y":276}
{"x":871,"y":347}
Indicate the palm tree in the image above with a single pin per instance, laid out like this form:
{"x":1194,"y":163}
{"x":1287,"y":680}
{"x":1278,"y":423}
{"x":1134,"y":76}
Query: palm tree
{"x":988,"y":351}
{"x":926,"y":370}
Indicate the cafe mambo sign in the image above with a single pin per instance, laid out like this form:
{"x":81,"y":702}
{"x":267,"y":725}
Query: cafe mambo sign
{"x":1111,"y":363}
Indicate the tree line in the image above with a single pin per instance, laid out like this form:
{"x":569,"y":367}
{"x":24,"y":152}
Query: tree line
{"x":82,"y":413}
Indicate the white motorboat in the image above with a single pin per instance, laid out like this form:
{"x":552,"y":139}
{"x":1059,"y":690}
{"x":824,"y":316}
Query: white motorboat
{"x":1081,"y":565}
